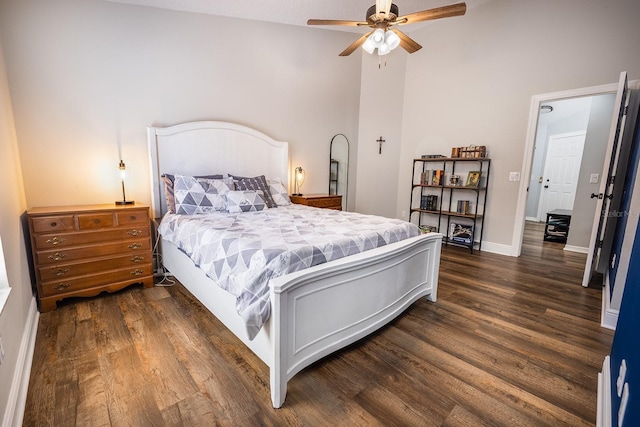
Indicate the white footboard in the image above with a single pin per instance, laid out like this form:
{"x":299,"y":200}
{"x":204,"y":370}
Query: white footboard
{"x":322,"y":309}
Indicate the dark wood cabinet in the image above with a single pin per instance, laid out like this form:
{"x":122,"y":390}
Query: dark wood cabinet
{"x":556,"y":228}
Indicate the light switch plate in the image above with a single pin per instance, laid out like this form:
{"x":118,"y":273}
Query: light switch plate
{"x":595,"y":177}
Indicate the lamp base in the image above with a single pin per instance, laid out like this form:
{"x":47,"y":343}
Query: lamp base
{"x":124,"y":202}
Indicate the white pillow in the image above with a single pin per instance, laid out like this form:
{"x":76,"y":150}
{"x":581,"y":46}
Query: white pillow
{"x":279,"y":192}
{"x":245,"y":201}
{"x":200,"y":195}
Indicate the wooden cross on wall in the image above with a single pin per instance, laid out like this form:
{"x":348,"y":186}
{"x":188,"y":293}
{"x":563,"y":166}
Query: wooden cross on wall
{"x":380,"y":141}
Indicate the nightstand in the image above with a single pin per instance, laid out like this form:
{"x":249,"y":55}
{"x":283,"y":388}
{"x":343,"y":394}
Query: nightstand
{"x":85,"y":250}
{"x":326,"y":201}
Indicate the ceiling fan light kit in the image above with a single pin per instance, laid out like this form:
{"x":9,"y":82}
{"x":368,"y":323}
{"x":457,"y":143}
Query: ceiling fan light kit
{"x":383,"y":17}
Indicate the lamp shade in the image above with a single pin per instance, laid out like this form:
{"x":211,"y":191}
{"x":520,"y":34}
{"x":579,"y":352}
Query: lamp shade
{"x":369,"y":46}
{"x":392,"y":40}
{"x":377,"y":37}
{"x":383,"y":49}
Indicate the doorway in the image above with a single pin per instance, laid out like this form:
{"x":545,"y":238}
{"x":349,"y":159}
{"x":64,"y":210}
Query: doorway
{"x":535,"y":154}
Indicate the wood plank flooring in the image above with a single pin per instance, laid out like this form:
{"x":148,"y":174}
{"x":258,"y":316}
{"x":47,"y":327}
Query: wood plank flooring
{"x":510,"y":342}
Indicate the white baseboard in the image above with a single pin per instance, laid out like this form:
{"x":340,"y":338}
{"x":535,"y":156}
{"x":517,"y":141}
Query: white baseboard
{"x":20,"y":384}
{"x":578,"y":249}
{"x":531,"y":218}
{"x":608,"y":316}
{"x":603,"y":417}
{"x":496,"y":248}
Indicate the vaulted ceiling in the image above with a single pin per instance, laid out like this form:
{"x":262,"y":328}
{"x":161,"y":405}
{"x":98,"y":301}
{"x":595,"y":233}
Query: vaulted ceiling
{"x":296,"y":12}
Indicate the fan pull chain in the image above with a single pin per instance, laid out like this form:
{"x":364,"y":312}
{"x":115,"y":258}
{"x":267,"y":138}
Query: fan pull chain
{"x":385,"y":61}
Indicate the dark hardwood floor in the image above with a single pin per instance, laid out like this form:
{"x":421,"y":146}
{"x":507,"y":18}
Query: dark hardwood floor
{"x":510,"y":342}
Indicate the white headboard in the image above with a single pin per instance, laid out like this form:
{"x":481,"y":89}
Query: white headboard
{"x":209,"y":147}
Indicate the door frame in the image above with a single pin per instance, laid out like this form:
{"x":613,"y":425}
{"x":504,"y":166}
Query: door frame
{"x":582,"y":133}
{"x":527,"y":160}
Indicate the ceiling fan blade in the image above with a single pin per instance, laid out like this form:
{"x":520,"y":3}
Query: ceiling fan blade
{"x":356,"y":44}
{"x":457,"y":9}
{"x":407,"y":42}
{"x":335,"y":22}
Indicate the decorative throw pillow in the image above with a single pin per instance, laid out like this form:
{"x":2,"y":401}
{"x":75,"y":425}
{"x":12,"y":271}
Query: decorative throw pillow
{"x":169,"y":196}
{"x":255,"y":183}
{"x":278,"y":192}
{"x":201,"y":195}
{"x":245,"y":201}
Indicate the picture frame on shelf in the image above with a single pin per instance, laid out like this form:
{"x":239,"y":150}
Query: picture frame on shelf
{"x":473,"y":179}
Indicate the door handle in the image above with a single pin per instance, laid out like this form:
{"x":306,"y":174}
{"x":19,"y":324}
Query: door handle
{"x":546,"y":186}
{"x":594,"y":195}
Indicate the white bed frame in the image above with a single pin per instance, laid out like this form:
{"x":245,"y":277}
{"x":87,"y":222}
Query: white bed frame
{"x":316,"y":311}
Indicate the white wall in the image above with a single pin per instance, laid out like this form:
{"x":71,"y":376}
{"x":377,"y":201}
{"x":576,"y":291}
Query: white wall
{"x":15,"y":318}
{"x":473,"y":80}
{"x":88,"y":76}
{"x":381,"y":109}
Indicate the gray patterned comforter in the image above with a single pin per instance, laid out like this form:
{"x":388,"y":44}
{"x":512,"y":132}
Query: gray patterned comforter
{"x":243,"y":251}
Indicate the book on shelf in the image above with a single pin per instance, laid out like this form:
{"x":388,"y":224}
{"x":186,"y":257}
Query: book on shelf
{"x":438,"y":177}
{"x":425,"y":177}
{"x":429,"y":203}
{"x":463,"y":207}
{"x":461,"y":233}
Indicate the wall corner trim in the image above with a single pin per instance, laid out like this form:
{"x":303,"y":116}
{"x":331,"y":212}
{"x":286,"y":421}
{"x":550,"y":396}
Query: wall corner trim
{"x":20,"y":384}
{"x":608,"y":316}
{"x":603,"y":418}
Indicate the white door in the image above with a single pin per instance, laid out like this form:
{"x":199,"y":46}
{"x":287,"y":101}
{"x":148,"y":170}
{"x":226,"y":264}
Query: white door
{"x":606,"y":185}
{"x":561,"y":171}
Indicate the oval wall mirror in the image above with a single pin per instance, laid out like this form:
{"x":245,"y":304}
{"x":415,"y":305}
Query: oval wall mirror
{"x":339,"y":167}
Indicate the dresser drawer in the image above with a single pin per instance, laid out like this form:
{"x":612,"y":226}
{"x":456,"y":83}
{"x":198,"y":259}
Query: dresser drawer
{"x":63,"y":240}
{"x":63,"y":286}
{"x":63,"y":255}
{"x":81,"y":268}
{"x":332,"y":203}
{"x":133,"y":217}
{"x":51,"y":224}
{"x":95,"y":220}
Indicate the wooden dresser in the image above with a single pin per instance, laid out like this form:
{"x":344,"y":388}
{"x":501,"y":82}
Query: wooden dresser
{"x":85,"y":250}
{"x":327,"y":201}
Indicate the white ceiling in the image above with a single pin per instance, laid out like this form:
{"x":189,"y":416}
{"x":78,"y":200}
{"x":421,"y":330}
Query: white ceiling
{"x":296,"y":12}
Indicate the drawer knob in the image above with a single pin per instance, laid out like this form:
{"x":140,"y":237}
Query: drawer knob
{"x":137,"y":258}
{"x":132,"y":217}
{"x":134,"y":232}
{"x":53,"y":223}
{"x":137,"y":272}
{"x":57,"y":256}
{"x":60,"y":272}
{"x":135,"y":246}
{"x":61,"y":286}
{"x":56,"y":240}
{"x":96,"y":221}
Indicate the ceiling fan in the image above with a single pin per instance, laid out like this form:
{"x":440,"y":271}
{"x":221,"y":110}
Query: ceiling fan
{"x":382,"y":18}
